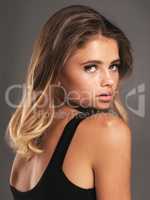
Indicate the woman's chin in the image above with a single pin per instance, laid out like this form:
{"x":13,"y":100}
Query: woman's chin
{"x":103,"y":105}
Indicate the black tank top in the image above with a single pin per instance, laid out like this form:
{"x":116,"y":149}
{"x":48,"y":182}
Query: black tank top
{"x":54,"y":185}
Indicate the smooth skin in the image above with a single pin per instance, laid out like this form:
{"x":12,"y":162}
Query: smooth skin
{"x":112,"y":159}
{"x":99,"y":154}
{"x":91,"y":70}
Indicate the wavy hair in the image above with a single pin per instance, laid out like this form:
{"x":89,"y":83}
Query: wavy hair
{"x":67,"y":30}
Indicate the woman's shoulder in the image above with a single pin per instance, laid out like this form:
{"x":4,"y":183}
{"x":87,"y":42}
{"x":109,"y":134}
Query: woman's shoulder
{"x":109,"y":141}
{"x":105,"y":128}
{"x":102,"y":121}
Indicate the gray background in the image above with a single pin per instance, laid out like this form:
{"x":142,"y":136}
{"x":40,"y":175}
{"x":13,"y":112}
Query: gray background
{"x":20,"y":22}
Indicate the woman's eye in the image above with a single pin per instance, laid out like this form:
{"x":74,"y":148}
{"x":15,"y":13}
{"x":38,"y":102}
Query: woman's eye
{"x":115,"y":66}
{"x":90,"y":68}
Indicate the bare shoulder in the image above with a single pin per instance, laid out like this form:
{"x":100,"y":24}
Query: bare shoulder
{"x":110,"y":141}
{"x":105,"y":131}
{"x":107,"y":126}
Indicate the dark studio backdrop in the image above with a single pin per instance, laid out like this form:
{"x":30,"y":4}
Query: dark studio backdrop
{"x":20,"y":22}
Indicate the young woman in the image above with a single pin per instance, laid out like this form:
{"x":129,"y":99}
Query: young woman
{"x":70,"y":132}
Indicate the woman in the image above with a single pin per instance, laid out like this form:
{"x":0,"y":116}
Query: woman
{"x":72,"y":89}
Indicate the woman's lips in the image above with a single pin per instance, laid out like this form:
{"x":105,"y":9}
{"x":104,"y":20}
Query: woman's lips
{"x":105,"y":97}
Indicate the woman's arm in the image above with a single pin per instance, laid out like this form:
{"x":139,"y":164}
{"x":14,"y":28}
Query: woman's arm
{"x":112,"y":160}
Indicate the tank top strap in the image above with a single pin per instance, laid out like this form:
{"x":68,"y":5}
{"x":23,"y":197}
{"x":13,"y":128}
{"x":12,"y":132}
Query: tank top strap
{"x":68,"y":132}
{"x":64,"y":141}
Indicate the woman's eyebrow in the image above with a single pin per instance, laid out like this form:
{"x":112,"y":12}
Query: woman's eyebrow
{"x":99,"y":61}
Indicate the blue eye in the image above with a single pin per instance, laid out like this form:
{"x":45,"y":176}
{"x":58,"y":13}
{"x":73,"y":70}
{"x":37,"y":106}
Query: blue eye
{"x":90,"y":68}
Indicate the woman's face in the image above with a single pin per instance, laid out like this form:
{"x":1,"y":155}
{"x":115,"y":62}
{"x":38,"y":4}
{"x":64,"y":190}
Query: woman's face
{"x":91,"y":71}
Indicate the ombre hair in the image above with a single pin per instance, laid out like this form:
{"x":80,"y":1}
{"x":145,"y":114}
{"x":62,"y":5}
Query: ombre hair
{"x":67,"y":30}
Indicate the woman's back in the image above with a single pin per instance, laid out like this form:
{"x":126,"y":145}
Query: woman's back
{"x":20,"y":165}
{"x":76,"y":169}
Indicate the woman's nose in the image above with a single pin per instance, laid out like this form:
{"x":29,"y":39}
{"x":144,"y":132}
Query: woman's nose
{"x":106,"y":79}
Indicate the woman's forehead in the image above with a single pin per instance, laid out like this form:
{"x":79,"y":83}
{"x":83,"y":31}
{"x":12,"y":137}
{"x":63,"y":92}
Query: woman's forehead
{"x":103,"y":49}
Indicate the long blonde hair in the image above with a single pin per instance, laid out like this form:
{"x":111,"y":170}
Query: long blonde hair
{"x":65,"y":31}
